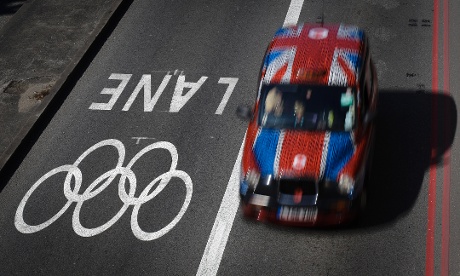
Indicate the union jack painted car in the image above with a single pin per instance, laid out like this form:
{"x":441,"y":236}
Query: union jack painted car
{"x":308,"y":145}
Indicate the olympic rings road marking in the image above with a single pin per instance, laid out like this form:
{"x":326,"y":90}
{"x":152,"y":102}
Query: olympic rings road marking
{"x":127,"y":197}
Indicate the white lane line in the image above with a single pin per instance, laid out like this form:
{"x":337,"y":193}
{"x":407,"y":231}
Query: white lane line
{"x":223,"y":224}
{"x":293,"y":13}
{"x":217,"y":241}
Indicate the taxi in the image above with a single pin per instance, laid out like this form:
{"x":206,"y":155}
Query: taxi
{"x":308,"y":146}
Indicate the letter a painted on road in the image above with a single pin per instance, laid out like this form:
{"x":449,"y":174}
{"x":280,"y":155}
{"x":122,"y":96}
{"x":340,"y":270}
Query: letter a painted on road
{"x":179,"y":100}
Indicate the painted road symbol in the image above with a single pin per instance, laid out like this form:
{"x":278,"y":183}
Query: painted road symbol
{"x":128,"y":198}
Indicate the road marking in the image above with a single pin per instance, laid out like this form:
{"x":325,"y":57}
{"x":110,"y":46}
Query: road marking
{"x":128,"y":198}
{"x":293,"y":13}
{"x":231,"y":86}
{"x":179,"y":100}
{"x":431,"y":212}
{"x":139,"y":139}
{"x":223,"y":224}
{"x":149,"y":101}
{"x":115,"y":92}
{"x":218,"y":238}
{"x":445,"y":234}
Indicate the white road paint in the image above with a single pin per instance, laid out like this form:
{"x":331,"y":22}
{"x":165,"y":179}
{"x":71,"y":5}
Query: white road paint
{"x":231,"y":86}
{"x":223,"y":224}
{"x":139,"y":139}
{"x":115,"y":92}
{"x":146,"y":83}
{"x":293,"y":13}
{"x":98,"y":185}
{"x":218,"y":238}
{"x":179,"y":100}
{"x":177,"y":71}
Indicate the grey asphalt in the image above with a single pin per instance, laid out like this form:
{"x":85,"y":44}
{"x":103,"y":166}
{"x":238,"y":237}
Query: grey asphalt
{"x":41,"y":44}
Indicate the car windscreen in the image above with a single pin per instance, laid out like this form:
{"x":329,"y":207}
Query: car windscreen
{"x":307,"y":107}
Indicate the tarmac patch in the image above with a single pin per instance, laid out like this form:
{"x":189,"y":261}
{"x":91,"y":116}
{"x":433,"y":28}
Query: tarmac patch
{"x":31,"y":91}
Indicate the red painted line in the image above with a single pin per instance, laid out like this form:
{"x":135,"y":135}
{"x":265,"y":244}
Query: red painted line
{"x":445,"y":217}
{"x":445,"y":39}
{"x":429,"y":265}
{"x":446,"y":161}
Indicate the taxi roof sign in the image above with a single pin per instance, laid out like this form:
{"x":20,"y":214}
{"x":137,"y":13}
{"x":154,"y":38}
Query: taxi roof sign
{"x":318,"y":33}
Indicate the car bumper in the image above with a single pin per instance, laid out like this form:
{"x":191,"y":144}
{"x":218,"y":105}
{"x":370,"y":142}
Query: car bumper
{"x":336,"y":213}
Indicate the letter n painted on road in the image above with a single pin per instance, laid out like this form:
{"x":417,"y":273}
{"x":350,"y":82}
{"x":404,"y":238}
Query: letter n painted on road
{"x":115,"y":92}
{"x":179,"y":100}
{"x":146,"y":83}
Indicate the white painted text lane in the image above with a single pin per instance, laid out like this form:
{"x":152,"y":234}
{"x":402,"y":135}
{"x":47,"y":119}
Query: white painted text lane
{"x":183,"y":92}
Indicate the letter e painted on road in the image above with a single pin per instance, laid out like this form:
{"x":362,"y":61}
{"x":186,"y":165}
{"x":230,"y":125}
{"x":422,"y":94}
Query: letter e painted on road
{"x":115,"y":92}
{"x":179,"y":100}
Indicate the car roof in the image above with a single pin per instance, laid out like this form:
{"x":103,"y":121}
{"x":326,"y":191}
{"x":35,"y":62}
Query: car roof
{"x":329,"y":54}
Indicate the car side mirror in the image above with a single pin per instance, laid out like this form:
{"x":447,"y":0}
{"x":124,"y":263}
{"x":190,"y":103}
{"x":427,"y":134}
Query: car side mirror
{"x":244,"y":112}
